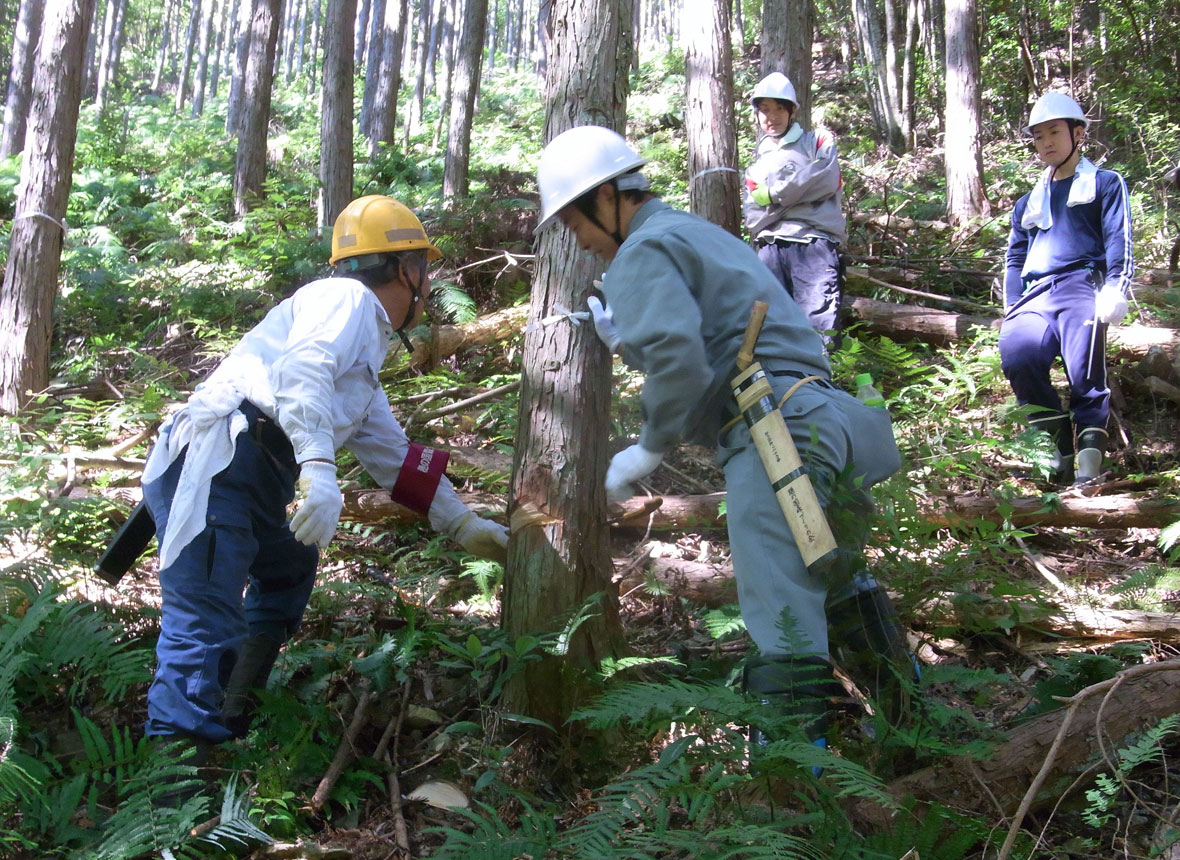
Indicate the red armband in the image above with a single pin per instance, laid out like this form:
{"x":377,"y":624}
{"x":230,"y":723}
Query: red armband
{"x":417,"y":482}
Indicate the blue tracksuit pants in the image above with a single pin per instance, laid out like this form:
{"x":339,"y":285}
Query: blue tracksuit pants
{"x":246,"y":546}
{"x":811,"y":273}
{"x":1056,"y":318}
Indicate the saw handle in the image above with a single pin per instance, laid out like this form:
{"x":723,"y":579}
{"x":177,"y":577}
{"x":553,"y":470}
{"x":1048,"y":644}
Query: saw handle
{"x":745,"y":356}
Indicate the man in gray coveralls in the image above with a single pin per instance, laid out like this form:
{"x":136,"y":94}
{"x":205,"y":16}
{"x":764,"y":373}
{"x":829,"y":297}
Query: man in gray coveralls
{"x":679,"y":291}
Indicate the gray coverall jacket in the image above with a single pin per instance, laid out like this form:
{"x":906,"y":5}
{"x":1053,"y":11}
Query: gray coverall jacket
{"x":682,"y":289}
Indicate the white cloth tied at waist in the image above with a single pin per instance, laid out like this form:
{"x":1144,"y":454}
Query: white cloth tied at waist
{"x":211,"y":441}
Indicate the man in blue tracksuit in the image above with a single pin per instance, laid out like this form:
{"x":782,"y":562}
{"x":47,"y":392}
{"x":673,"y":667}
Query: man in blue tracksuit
{"x":793,"y":205}
{"x":262,"y":431}
{"x":1069,"y":266}
{"x":679,"y":293}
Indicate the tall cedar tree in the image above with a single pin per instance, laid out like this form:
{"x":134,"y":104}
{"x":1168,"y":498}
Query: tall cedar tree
{"x":250,"y":164}
{"x":965,"y":196}
{"x":468,"y":65}
{"x":787,"y":30}
{"x":20,"y":76}
{"x":38,"y":226}
{"x":713,"y":190}
{"x":559,"y":565}
{"x":336,"y":112}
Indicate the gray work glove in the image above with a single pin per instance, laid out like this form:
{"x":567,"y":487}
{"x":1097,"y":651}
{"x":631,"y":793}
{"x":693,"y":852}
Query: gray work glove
{"x":604,"y":323}
{"x":320,"y":502}
{"x":626,"y":467}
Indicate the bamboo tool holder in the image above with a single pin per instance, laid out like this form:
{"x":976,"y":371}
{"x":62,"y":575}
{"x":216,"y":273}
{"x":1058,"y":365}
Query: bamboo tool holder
{"x":789,"y":480}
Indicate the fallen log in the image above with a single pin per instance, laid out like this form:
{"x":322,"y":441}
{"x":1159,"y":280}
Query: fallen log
{"x":1123,"y":511}
{"x":713,"y":585}
{"x":446,"y":340}
{"x":704,"y":584}
{"x":943,"y":327}
{"x":686,"y":513}
{"x":1041,"y":751}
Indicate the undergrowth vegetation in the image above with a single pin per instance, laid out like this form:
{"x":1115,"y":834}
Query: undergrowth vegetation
{"x":160,"y":281}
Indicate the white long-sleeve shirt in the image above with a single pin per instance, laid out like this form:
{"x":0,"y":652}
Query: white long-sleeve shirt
{"x":312,"y":366}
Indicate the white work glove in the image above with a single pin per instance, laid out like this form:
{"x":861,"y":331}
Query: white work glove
{"x":626,"y":467}
{"x":212,"y":401}
{"x":484,"y":538}
{"x":604,"y":323}
{"x":320,"y":501}
{"x":1110,"y":305}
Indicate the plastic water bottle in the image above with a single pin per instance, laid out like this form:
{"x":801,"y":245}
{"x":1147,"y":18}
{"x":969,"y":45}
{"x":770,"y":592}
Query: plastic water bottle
{"x":866,"y":393}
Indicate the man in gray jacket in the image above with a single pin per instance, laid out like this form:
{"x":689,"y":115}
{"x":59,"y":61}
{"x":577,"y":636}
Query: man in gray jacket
{"x":793,"y":205}
{"x":679,"y":293}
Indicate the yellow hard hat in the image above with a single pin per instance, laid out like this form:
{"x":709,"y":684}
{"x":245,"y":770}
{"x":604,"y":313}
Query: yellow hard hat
{"x":378,"y":225}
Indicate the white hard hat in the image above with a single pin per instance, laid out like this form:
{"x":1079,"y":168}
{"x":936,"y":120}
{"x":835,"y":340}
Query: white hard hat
{"x":1052,"y":106}
{"x":579,"y":160}
{"x":776,"y":85}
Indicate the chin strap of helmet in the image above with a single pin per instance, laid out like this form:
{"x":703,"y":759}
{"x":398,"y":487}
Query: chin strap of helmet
{"x":1073,"y":143}
{"x":633,"y":181}
{"x":415,"y":300}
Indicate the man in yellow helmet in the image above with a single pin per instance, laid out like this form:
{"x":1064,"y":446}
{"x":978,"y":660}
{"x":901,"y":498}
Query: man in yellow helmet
{"x":263,"y":430}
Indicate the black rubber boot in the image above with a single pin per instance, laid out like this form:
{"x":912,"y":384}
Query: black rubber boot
{"x":868,"y":640}
{"x":182,"y":750}
{"x":250,"y":672}
{"x":1060,"y":430}
{"x":800,"y":687}
{"x":1091,"y":447}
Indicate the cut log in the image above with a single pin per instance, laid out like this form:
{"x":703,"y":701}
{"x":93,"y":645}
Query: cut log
{"x":1124,"y":511}
{"x":1139,"y":701}
{"x":688,"y":513}
{"x":446,"y":340}
{"x":915,"y":322}
{"x":710,"y":585}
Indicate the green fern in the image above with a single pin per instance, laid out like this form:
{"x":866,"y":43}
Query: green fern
{"x":1146,"y":750}
{"x":937,"y":833}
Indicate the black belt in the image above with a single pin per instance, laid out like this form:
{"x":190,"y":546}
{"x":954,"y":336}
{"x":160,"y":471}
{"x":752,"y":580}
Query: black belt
{"x":795,"y":374}
{"x":269,"y":436}
{"x":785,"y":243}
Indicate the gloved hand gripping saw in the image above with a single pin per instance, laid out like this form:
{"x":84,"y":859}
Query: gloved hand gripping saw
{"x":789,"y":480}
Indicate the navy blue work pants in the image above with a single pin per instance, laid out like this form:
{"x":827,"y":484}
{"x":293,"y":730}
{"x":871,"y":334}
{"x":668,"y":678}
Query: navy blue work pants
{"x":811,"y":273}
{"x":1057,"y":319}
{"x":246,"y":546}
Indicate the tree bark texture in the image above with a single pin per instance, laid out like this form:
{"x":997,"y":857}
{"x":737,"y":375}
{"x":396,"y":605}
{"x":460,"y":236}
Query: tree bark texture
{"x":374,"y":63}
{"x":112,"y":50}
{"x":20,"y":75}
{"x":469,"y":62}
{"x":965,"y":196}
{"x":559,"y":566}
{"x":203,"y":48}
{"x":241,"y":53}
{"x":34,"y":256}
{"x":875,"y":31}
{"x":383,"y":124}
{"x":336,"y":113}
{"x":709,"y":121}
{"x":170,"y":11}
{"x":190,"y":47}
{"x":788,"y":27}
{"x":250,"y":163}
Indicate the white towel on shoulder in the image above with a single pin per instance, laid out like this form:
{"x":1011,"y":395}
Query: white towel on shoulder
{"x":1083,"y":190}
